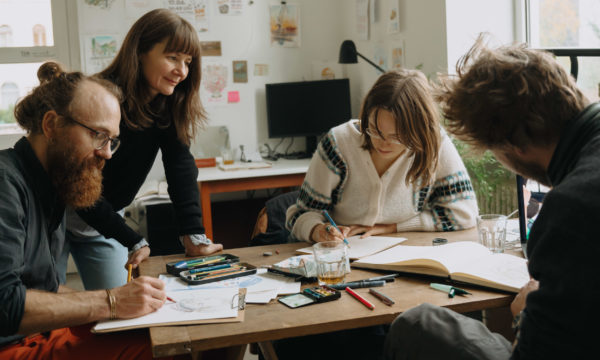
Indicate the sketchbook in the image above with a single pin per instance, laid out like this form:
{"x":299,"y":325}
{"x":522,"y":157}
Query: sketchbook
{"x":191,"y":307}
{"x":359,"y":248}
{"x":464,"y":261}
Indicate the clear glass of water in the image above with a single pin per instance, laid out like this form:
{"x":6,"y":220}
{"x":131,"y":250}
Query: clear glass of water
{"x":492,"y":231}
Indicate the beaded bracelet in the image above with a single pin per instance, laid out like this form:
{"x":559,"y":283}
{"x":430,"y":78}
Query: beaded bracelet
{"x":113,"y":304}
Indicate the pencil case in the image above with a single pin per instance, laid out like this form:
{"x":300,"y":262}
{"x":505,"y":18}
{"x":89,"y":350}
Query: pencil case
{"x":175,"y":267}
{"x":208,"y":274}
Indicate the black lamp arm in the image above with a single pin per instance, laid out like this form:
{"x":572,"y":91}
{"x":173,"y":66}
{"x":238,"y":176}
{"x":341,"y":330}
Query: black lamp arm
{"x":370,"y":62}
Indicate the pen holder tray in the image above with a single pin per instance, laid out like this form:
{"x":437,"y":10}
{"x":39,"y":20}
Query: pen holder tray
{"x":196,"y":263}
{"x":322,"y":293}
{"x":198,"y":277}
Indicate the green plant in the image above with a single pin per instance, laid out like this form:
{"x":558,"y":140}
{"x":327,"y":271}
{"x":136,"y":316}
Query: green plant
{"x":6,"y":115}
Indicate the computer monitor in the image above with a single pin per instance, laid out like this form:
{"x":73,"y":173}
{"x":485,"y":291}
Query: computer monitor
{"x":307,"y":108}
{"x":530,"y":199}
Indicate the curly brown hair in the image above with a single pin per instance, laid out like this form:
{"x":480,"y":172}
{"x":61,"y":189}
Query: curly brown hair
{"x":508,"y":96}
{"x":56,"y":92}
{"x":407,"y":95}
{"x":153,"y":28}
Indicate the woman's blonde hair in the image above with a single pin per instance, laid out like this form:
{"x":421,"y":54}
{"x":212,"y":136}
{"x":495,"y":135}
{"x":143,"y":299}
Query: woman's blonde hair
{"x":406,"y":94}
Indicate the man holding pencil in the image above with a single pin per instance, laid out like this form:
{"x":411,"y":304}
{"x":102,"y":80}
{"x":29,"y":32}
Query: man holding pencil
{"x":72,"y":124}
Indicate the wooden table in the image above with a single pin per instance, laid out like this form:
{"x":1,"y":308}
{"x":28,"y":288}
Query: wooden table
{"x":283,"y":173}
{"x":273,"y":321}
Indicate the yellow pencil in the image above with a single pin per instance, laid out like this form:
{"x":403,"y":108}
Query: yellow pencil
{"x":129,"y":268}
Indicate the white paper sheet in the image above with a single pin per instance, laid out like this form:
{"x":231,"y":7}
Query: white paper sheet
{"x":364,"y":247}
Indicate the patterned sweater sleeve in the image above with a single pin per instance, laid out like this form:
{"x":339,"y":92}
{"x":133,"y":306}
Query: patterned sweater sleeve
{"x":449,"y":204}
{"x":322,"y":186}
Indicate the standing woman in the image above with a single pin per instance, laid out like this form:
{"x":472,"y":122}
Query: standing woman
{"x":158,"y":69}
{"x":393,"y":170}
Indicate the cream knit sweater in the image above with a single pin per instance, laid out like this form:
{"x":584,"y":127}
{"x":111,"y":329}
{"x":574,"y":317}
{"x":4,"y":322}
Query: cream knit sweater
{"x":343,"y":180}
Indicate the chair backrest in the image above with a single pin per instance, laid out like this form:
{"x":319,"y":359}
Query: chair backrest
{"x":270,"y":224}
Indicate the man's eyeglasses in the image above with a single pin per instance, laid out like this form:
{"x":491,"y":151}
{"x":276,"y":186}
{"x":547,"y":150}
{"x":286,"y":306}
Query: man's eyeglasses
{"x":99,"y":139}
{"x":375,"y":135}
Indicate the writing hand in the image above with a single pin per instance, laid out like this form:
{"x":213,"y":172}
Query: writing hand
{"x":518,"y":303}
{"x":201,"y":249}
{"x":328,"y":232}
{"x":141,"y":296}
{"x":138,"y":256}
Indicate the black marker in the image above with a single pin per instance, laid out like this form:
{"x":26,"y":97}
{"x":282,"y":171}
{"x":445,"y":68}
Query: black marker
{"x":358,"y":284}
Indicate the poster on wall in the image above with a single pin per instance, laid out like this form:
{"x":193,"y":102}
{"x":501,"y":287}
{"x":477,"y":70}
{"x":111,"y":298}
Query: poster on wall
{"x":99,"y":50}
{"x":261,"y":69}
{"x":230,"y":7}
{"x":393,"y":18}
{"x":380,"y":57}
{"x":194,"y":11}
{"x":210,"y":48}
{"x":362,"y":19}
{"x":240,"y":71}
{"x":397,"y":55}
{"x":326,"y":70}
{"x":201,"y":15}
{"x":102,"y":4}
{"x":285,"y":25}
{"x":214,"y":83}
{"x":136,"y":8}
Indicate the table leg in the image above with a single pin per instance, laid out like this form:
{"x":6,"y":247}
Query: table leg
{"x":268,"y":351}
{"x":205,"y":192}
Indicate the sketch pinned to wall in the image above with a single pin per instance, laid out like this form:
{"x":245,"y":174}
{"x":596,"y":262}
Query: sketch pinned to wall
{"x":240,"y":71}
{"x":183,"y":8}
{"x":201,"y":15}
{"x":136,"y":8}
{"x":230,"y":7}
{"x":326,"y":70}
{"x":397,"y":56}
{"x":285,"y":25}
{"x":261,"y":69}
{"x":99,"y":52}
{"x":393,"y":17}
{"x":214,"y":80}
{"x":102,"y":4}
{"x":380,"y":57}
{"x":210,"y":48}
{"x":362,"y":19}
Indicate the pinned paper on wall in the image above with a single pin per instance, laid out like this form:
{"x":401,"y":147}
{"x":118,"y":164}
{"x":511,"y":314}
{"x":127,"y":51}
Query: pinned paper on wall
{"x":362,"y":19}
{"x":100,"y":50}
{"x":261,"y":69}
{"x":136,"y":8}
{"x":393,"y":18}
{"x":102,"y":4}
{"x":194,"y":11}
{"x":201,"y":17}
{"x":214,"y":80}
{"x":380,"y":57}
{"x":233,"y":96}
{"x":230,"y":7}
{"x":285,"y":25}
{"x":210,"y":48}
{"x":240,"y":71}
{"x":397,"y":56}
{"x":326,"y":70}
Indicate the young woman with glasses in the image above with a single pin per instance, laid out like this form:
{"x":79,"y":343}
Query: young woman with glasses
{"x":158,"y":70}
{"x":393,"y":170}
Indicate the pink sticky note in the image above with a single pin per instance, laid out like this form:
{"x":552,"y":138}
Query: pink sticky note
{"x":233,"y":96}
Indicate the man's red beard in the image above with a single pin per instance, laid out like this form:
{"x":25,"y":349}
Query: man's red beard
{"x":78,"y":184}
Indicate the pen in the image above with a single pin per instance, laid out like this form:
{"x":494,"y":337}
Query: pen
{"x":358,"y":284}
{"x":387,"y":278}
{"x":209,"y":268}
{"x":384,"y":299}
{"x":450,"y":290}
{"x":194,"y":262}
{"x":333,"y":223}
{"x":129,"y":268}
{"x":360,"y":298}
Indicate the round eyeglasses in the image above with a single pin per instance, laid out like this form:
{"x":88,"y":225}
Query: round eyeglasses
{"x":99,"y":138}
{"x":374,"y":135}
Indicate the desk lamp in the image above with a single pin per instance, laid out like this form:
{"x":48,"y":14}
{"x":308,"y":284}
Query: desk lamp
{"x":348,"y":55}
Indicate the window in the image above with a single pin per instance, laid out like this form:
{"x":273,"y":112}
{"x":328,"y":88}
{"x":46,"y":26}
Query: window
{"x":571,"y":24}
{"x":31,"y":32}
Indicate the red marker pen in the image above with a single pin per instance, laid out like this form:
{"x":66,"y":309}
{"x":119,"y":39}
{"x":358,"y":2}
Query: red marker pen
{"x":360,"y":298}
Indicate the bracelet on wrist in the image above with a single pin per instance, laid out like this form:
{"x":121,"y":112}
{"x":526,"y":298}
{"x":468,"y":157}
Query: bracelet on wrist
{"x":112,"y":303}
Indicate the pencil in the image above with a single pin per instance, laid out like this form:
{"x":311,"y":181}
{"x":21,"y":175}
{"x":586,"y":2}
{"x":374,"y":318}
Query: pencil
{"x":171,"y":300}
{"x":360,"y":298}
{"x":129,"y":268}
{"x":326,"y":214}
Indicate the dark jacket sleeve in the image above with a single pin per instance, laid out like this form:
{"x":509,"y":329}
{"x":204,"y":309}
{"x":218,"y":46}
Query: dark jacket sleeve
{"x":109,"y":223}
{"x":13,"y":233}
{"x":182,"y":179}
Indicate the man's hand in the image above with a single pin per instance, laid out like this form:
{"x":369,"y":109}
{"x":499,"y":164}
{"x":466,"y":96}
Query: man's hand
{"x":138,"y":256}
{"x":141,"y":296}
{"x":372,"y":230}
{"x":518,"y":303}
{"x":201,"y":249}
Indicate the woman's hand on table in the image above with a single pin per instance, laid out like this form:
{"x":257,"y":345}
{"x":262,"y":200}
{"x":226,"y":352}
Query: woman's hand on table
{"x":200,"y":249}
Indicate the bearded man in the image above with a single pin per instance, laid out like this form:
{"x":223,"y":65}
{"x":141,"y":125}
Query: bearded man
{"x":72,"y":124}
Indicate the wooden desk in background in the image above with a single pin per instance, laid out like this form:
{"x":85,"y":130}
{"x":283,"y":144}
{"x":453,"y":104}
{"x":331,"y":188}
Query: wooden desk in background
{"x":283,"y":173}
{"x":273,"y":321}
